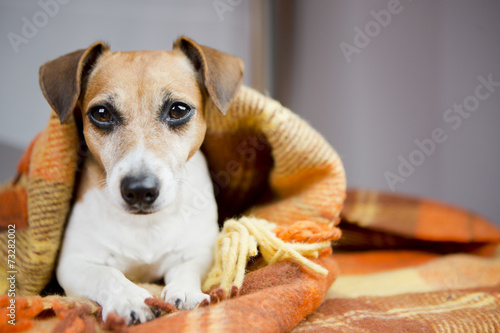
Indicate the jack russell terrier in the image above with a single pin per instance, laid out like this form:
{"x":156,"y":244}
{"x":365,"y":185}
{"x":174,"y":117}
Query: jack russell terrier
{"x":142,"y":116}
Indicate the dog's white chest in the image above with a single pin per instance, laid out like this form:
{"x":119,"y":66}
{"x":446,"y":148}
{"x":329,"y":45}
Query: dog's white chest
{"x":143,"y":247}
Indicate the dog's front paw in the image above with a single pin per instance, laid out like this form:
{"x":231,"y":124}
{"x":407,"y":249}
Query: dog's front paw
{"x":183,"y":298}
{"x":131,"y":306}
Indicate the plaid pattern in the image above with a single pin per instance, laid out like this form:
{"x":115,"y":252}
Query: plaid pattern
{"x":268,"y":162}
{"x":38,"y":203}
{"x":451,"y":293}
{"x":427,"y":220}
{"x":464,"y":310}
{"x":411,"y":265}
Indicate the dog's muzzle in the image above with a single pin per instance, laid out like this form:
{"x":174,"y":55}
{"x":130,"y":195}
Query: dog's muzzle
{"x":140,"y":192}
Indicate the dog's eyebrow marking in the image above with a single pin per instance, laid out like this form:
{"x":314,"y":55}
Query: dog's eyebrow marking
{"x":108,"y":98}
{"x":167,"y":96}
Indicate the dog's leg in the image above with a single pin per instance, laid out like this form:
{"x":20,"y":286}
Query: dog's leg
{"x":199,"y":220}
{"x":106,"y":286}
{"x":183,"y":283}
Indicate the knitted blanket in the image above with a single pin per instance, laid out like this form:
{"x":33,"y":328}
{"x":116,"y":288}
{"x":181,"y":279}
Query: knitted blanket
{"x":389,"y":281}
{"x":402,"y":264}
{"x":411,"y":265}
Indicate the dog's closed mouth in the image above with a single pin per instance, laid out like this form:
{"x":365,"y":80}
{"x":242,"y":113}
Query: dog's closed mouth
{"x":141,"y":211}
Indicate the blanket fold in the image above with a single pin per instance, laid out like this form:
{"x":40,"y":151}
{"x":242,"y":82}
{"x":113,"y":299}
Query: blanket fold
{"x":44,"y":189}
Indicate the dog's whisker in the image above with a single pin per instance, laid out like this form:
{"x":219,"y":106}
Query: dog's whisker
{"x":103,"y":181}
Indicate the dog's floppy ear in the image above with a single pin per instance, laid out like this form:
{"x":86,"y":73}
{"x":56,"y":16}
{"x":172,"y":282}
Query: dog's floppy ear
{"x":62,"y":79}
{"x":222,"y":74}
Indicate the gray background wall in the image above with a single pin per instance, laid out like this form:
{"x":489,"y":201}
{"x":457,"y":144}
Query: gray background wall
{"x":396,"y":89}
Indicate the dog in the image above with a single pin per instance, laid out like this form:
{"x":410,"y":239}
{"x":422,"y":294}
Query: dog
{"x":135,"y":218}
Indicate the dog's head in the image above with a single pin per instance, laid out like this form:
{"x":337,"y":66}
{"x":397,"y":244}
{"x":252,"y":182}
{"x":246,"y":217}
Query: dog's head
{"x":143,"y":113}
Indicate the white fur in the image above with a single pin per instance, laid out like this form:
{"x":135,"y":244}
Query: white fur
{"x":138,"y":161}
{"x":105,"y":248}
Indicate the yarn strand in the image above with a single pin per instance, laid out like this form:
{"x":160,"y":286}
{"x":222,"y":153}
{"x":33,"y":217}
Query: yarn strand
{"x":242,"y":239}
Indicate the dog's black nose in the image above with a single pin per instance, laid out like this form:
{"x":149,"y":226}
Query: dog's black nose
{"x":140,"y":191}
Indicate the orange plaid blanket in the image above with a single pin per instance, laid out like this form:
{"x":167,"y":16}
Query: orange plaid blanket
{"x":411,"y":265}
{"x":396,"y":267}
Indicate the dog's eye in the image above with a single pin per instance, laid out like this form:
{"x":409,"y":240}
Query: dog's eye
{"x":176,"y":113}
{"x":101,"y":117}
{"x":101,"y":114}
{"x":178,"y":110}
